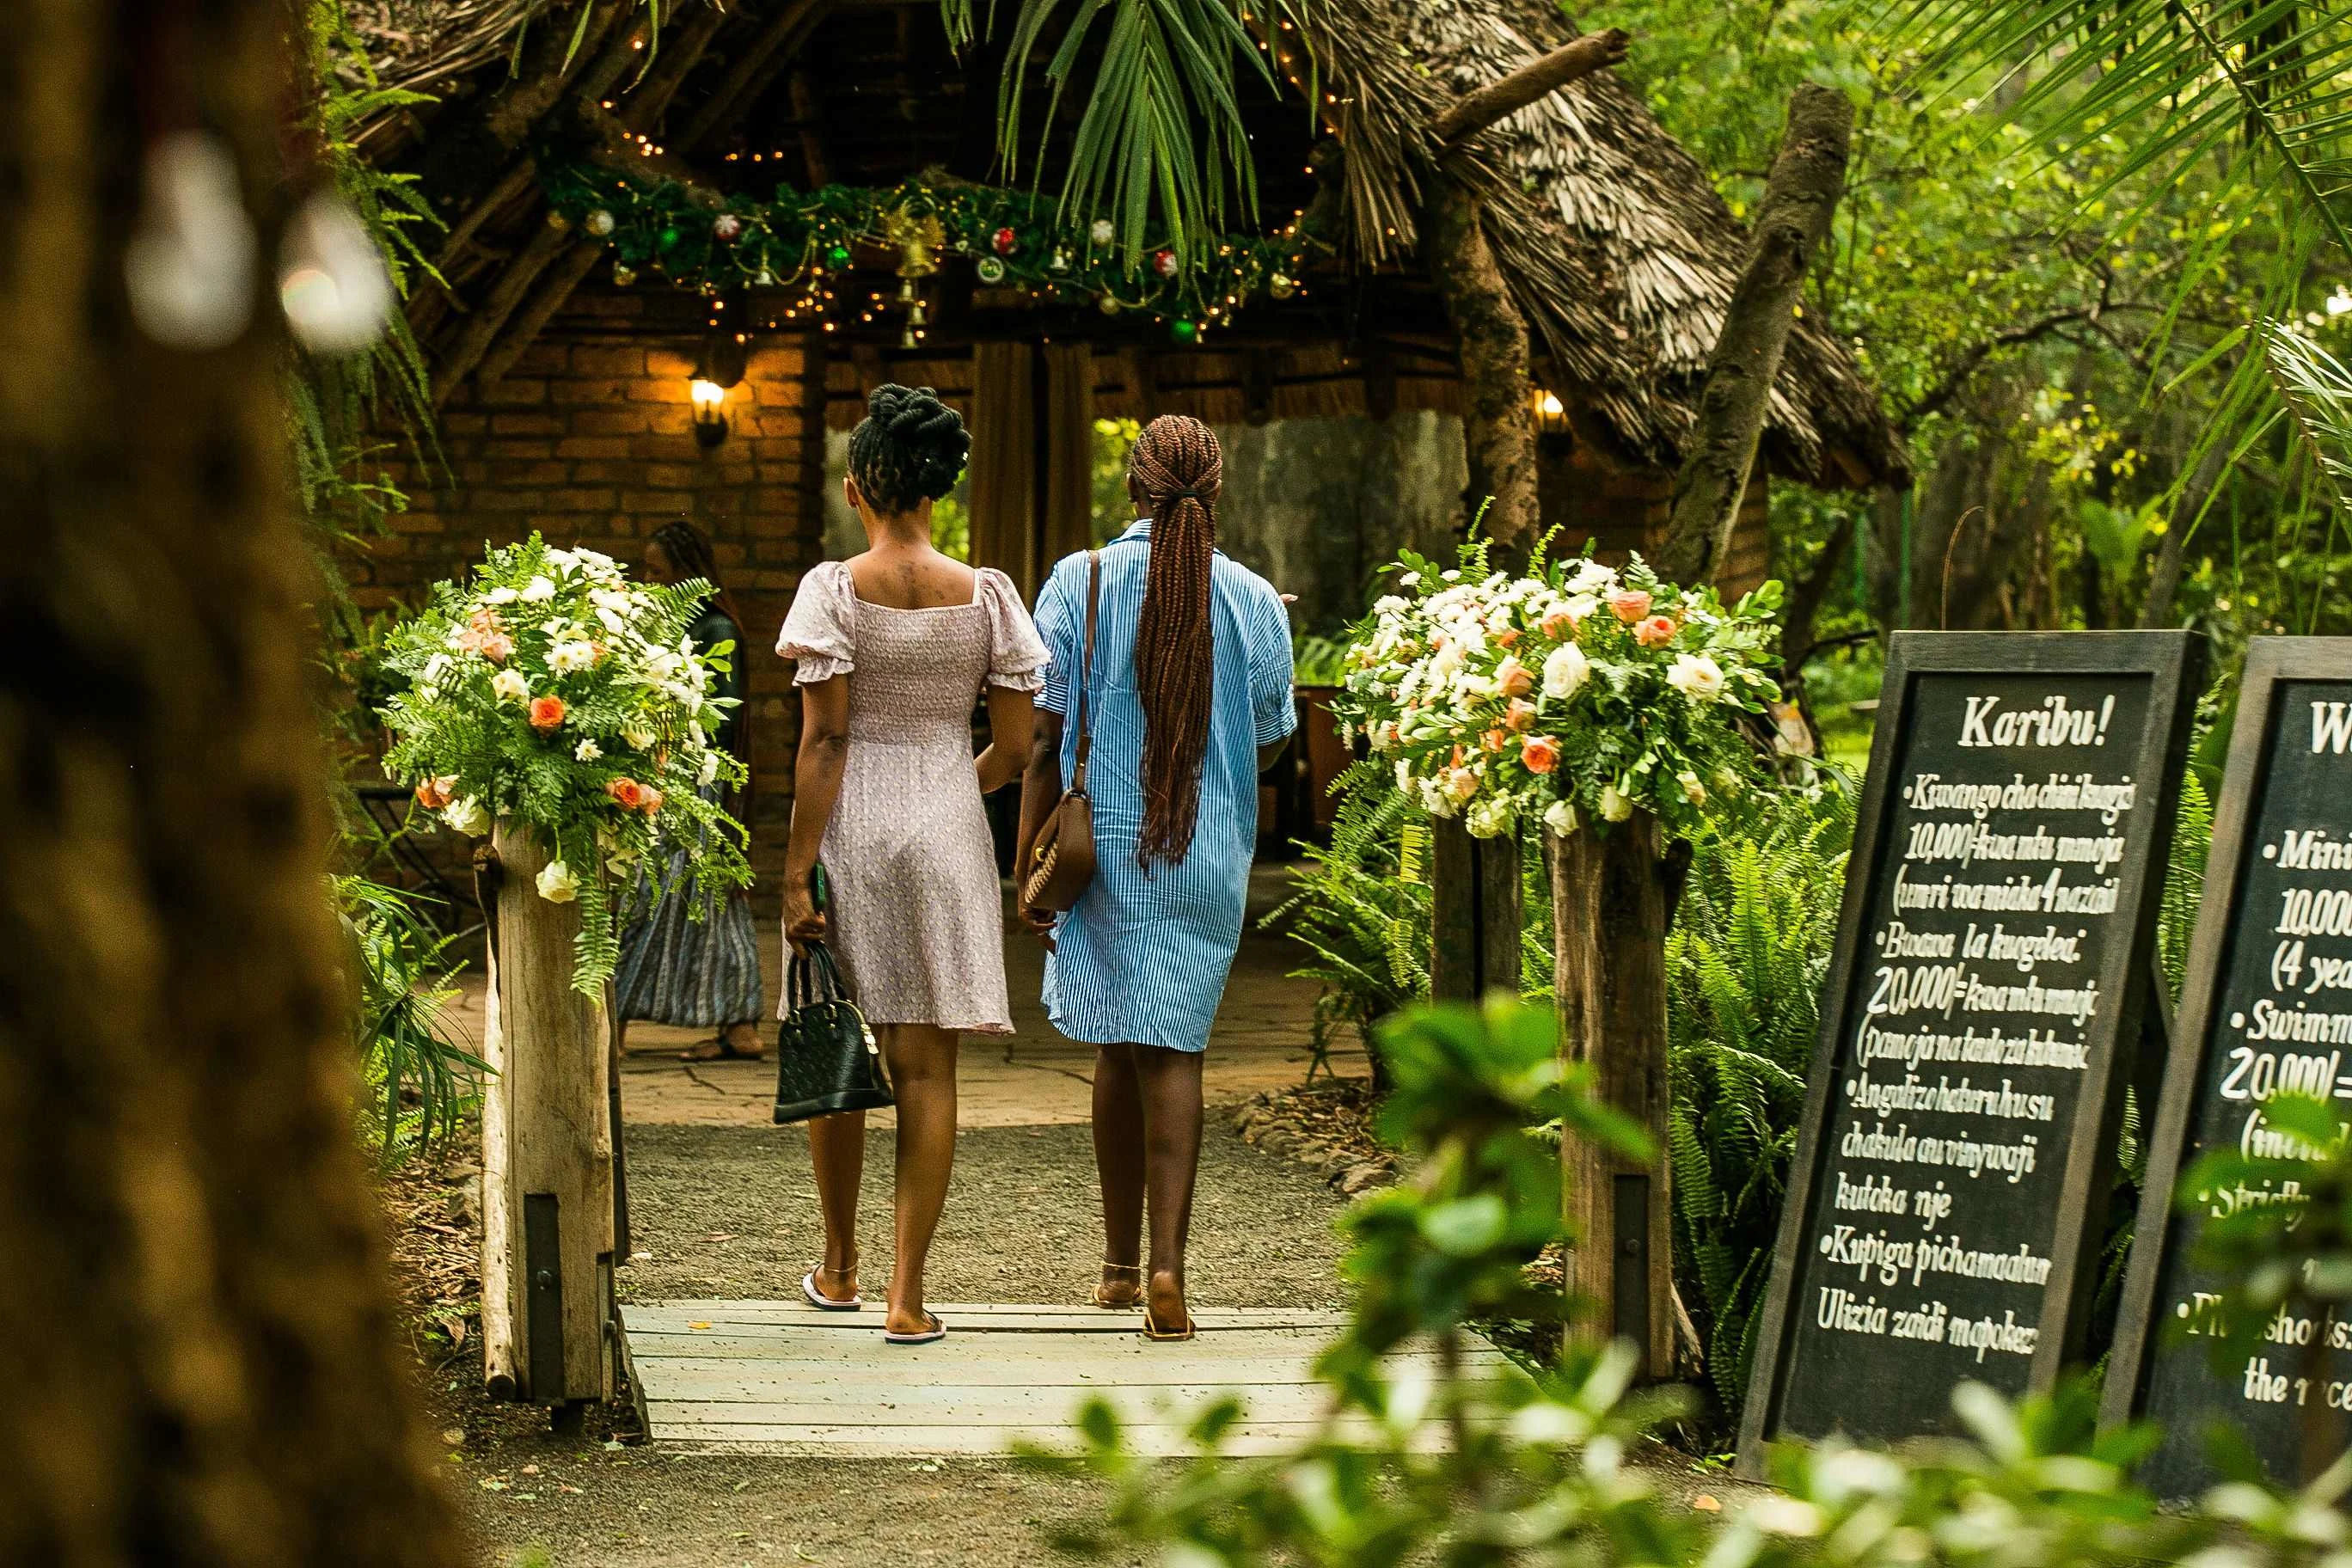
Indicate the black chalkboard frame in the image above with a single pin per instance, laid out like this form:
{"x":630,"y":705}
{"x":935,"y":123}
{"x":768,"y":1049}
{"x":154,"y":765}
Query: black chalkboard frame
{"x":2270,"y":663}
{"x":2173,"y":662}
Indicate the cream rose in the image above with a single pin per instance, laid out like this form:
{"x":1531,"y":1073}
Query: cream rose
{"x":1564,"y":669}
{"x":511,"y":686}
{"x":557,"y":885}
{"x":1693,"y":790}
{"x":469,"y":816}
{"x":1696,"y":676}
{"x":1616,"y":805}
{"x":1491,"y":817}
{"x":1560,"y":817}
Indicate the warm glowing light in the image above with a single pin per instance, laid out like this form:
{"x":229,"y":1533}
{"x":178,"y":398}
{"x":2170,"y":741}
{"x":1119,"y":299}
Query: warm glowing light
{"x":1551,"y":405}
{"x":709,"y":397}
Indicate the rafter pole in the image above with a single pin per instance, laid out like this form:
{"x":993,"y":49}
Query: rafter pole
{"x":567,"y":273}
{"x":753,"y":70}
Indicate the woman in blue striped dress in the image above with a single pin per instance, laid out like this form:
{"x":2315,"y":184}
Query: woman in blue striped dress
{"x":1189,"y":699}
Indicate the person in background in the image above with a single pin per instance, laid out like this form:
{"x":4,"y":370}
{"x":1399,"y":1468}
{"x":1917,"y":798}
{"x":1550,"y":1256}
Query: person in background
{"x":893,"y":647}
{"x":697,"y":973}
{"x":1190,"y":700}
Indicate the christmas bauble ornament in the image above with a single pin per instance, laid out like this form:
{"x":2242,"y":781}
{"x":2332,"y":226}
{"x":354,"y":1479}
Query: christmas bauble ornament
{"x":1282,"y":285}
{"x":989,"y":269}
{"x":599,"y":223}
{"x":726,"y":228}
{"x":669,"y":236}
{"x":623,"y":274}
{"x":1183,"y":330}
{"x":838,"y":256}
{"x":557,"y":221}
{"x":1163,"y":261}
{"x":1108,"y":304}
{"x":1060,"y":260}
{"x":1101,"y":232}
{"x":1005,"y":241}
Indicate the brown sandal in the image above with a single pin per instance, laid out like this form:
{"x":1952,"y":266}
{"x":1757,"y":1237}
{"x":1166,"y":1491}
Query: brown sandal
{"x":1127,"y":1306}
{"x":1158,"y":1335}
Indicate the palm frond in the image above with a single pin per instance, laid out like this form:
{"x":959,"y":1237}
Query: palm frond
{"x":2317,"y":391}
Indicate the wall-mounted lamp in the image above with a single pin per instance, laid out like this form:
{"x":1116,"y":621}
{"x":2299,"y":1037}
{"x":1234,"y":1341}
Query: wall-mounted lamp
{"x":1551,"y":415}
{"x":719,"y":367}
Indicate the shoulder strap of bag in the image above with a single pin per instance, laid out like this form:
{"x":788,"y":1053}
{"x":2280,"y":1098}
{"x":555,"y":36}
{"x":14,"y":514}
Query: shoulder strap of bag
{"x":1086,"y":668}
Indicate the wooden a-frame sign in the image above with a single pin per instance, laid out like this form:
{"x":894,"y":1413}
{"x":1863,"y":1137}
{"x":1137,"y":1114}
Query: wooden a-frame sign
{"x":1993,"y":956}
{"x":2266,"y":997}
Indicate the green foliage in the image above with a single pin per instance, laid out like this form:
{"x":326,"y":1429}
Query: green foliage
{"x":1318,"y":660}
{"x":1532,"y":1469}
{"x":1744,"y":969}
{"x":422,"y":1077}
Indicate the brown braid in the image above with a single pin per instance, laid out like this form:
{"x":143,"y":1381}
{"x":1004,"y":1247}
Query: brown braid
{"x":1177,"y":468}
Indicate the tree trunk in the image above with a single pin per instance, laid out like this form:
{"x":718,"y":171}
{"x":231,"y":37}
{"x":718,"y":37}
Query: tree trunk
{"x":547,"y":1150}
{"x":1610,"y":896}
{"x":202,"y":1363}
{"x":1497,"y":418}
{"x":1798,"y":200}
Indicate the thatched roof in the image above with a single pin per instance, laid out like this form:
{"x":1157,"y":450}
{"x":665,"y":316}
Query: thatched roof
{"x":1620,"y":252}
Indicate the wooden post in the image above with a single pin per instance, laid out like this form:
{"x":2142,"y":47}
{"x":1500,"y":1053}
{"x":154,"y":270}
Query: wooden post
{"x":1609,"y":931}
{"x":547,"y":1148}
{"x":1475,"y":918}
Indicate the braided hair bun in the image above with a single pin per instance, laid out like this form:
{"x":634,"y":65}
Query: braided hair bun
{"x":910,"y":448}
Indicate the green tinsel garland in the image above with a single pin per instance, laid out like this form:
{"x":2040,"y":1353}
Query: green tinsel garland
{"x":702,"y":239}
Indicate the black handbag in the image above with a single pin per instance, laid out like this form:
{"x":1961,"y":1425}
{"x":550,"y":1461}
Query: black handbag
{"x":827,"y":1061}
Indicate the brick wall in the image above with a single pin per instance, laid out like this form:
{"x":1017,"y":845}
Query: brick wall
{"x":589,"y":439}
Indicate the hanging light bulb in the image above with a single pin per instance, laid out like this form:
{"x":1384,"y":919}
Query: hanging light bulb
{"x":331,"y":281}
{"x":189,"y":264}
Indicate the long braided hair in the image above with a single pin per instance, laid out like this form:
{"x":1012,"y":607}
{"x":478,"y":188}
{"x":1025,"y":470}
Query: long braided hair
{"x":1176,"y":467}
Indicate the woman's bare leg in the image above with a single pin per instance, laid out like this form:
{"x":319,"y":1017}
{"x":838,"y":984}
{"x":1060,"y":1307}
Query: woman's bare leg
{"x":923,"y":1079}
{"x":1170,"y":1082}
{"x":1119,"y":1170}
{"x":838,"y":1151}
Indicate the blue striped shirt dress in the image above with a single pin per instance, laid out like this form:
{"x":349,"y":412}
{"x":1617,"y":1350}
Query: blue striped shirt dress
{"x":1143,"y":957}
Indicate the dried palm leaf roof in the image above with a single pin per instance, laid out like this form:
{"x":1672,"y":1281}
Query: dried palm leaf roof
{"x":1615,"y":242}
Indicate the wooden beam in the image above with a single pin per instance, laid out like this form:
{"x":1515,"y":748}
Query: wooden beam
{"x":1801,"y":196}
{"x":807,"y":117}
{"x":753,"y":70}
{"x":482,"y":328}
{"x":680,"y":53}
{"x":1576,"y":58}
{"x":563,"y":276}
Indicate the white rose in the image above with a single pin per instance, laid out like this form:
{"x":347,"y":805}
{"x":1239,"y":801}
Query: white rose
{"x":557,"y":885}
{"x":1591,"y":577}
{"x":509,"y":685}
{"x":1404,"y":774}
{"x":1693,"y":790}
{"x":561,"y":559}
{"x":1616,"y":805}
{"x":1445,"y":663}
{"x":1461,"y":783}
{"x":501,"y":595}
{"x":638,"y":734}
{"x":469,"y":816}
{"x":1560,"y":817}
{"x":1564,"y":669}
{"x":587,"y":751}
{"x":1491,"y":817}
{"x":1696,"y":676}
{"x":708,"y":774}
{"x":612,"y":620}
{"x":1389,"y":606}
{"x":538,"y":590}
{"x":1435,"y":801}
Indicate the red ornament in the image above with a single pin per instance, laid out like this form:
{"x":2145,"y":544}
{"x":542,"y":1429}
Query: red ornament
{"x":1005,"y":241}
{"x":1164,"y":263}
{"x":727,"y":227}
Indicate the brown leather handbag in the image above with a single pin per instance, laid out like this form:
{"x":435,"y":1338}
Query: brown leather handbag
{"x":1061,"y":861}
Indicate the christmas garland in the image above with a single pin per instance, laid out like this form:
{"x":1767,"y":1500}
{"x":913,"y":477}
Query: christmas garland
{"x":702,"y":239}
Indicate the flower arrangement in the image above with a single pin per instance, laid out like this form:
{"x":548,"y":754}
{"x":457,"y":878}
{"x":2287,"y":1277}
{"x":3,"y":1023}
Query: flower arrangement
{"x":1576,"y":691}
{"x":554,"y":693}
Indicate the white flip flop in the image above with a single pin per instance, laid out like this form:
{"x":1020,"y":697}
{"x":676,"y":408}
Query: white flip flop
{"x":937,"y":1331}
{"x":825,"y":1303}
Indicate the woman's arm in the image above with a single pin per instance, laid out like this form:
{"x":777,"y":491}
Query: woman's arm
{"x":1011,"y":716}
{"x":1041,"y":790}
{"x":816,"y":785}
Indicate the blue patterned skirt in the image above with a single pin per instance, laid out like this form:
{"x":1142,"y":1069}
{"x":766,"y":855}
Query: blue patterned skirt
{"x":674,"y":969}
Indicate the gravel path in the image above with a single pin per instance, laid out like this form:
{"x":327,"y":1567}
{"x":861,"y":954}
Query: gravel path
{"x":730,"y":1211}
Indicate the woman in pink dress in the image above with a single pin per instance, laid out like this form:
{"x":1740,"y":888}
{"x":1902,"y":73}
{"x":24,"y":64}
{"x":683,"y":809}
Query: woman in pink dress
{"x":893,"y":648}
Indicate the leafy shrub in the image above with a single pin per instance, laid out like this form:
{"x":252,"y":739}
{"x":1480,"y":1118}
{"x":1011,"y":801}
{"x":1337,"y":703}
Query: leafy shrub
{"x":421,"y":1079}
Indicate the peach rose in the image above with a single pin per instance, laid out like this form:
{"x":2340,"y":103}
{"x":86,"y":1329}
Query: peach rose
{"x":1493,"y":740}
{"x":498,"y":647}
{"x":1513,"y":678}
{"x":1520,"y":716}
{"x":1507,"y":638}
{"x":485,"y":620}
{"x":1540,"y":753}
{"x":546,"y":713}
{"x":435,"y":793}
{"x":651,"y":800}
{"x":1655,"y":630}
{"x":1630,"y":605}
{"x":626,"y":793}
{"x":1560,"y":624}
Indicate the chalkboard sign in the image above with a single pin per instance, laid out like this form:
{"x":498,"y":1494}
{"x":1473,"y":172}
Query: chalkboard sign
{"x":1948,"y":1194}
{"x":2266,"y":1006}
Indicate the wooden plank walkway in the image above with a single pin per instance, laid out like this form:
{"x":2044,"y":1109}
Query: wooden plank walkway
{"x":781,"y":1377}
